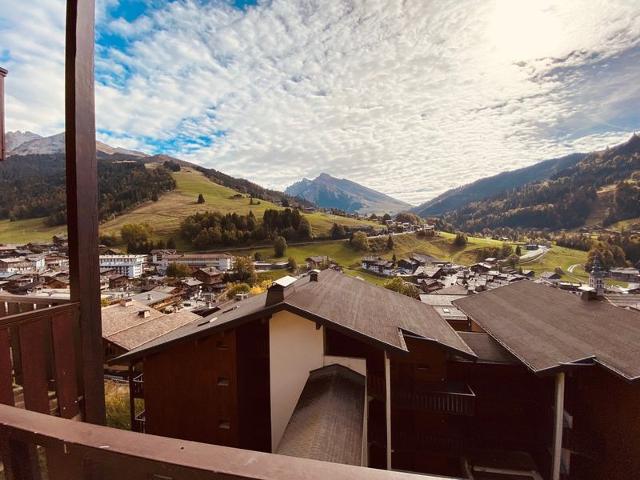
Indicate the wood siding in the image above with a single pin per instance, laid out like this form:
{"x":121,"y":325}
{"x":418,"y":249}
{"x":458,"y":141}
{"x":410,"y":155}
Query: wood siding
{"x":191,"y":391}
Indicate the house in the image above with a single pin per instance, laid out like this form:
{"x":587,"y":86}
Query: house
{"x":129,"y":265}
{"x":118,"y":281}
{"x":550,"y":276}
{"x":212,"y":279}
{"x":23,"y":264}
{"x":481,"y":267}
{"x":258,"y":363}
{"x":378,"y":265}
{"x":432,"y":272}
{"x":528,"y":273}
{"x":158,"y":253}
{"x":318,"y":262}
{"x":531,"y":246}
{"x":191,"y":287}
{"x":159,"y":297}
{"x":130,"y":324}
{"x":428,"y":285}
{"x":587,"y":348}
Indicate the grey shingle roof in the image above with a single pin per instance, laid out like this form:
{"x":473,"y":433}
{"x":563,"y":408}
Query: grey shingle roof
{"x":354,"y":306}
{"x":327,"y":423}
{"x":548,"y":329}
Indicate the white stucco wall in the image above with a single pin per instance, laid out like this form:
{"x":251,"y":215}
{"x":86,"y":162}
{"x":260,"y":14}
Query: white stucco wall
{"x":354,"y":363}
{"x":295,"y":348}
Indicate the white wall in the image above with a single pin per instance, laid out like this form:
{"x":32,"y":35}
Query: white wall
{"x":295,"y":348}
{"x":354,"y":363}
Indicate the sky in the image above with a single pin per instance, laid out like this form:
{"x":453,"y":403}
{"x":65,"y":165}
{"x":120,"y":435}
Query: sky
{"x":409,"y":97}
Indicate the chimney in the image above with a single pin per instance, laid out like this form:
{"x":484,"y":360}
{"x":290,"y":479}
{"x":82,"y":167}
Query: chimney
{"x":313,"y":275}
{"x":279,"y":290}
{"x":125,"y":302}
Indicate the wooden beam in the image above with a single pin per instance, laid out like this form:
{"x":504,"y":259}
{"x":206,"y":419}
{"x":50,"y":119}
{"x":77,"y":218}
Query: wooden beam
{"x":387,"y":405}
{"x":3,"y":73}
{"x":82,"y":199}
{"x":558,"y":426}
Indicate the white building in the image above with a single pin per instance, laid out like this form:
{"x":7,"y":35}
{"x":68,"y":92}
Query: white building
{"x":129,"y":265}
{"x":221,"y":261}
{"x":30,"y":264}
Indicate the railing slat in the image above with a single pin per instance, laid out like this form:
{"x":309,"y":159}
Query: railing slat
{"x":6,"y":378}
{"x":23,"y":460}
{"x":66,"y":374}
{"x":62,"y":464}
{"x":33,"y":350}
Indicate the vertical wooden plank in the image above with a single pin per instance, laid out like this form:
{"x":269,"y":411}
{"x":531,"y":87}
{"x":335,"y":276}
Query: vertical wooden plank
{"x":3,"y":73}
{"x":82,"y":198}
{"x":6,"y":378}
{"x":34,"y":363}
{"x":22,"y":460}
{"x":62,"y":464}
{"x":65,"y":363}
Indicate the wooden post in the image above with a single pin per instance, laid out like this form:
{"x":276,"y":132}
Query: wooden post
{"x":558,"y":427}
{"x":82,"y":199}
{"x":387,"y":385}
{"x":3,"y":73}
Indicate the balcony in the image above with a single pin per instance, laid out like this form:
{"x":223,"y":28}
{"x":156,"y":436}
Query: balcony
{"x":450,"y":398}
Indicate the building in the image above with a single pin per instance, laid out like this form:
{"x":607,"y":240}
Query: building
{"x":626,"y":274}
{"x":378,"y":265}
{"x":23,"y":264}
{"x":441,"y":401}
{"x":129,"y":265}
{"x":221,"y":261}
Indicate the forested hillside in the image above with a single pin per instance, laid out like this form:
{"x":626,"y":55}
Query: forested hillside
{"x":33,"y":186}
{"x":566,"y":199}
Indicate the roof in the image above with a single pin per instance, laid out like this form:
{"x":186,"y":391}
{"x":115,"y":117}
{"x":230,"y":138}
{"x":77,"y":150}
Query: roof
{"x":328,"y":421}
{"x":126,"y":327}
{"x":487,"y":349}
{"x":375,"y":314}
{"x":548,"y":329}
{"x":453,"y":290}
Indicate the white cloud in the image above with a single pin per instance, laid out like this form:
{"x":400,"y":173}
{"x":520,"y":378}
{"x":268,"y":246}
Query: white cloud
{"x":410,"y":98}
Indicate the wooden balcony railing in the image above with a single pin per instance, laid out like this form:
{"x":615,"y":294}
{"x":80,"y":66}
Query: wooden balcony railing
{"x":39,"y":355}
{"x":76,"y":450}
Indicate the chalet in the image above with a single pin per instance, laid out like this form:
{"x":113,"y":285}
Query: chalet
{"x":432,"y":272}
{"x":191,"y":287}
{"x":318,"y":262}
{"x":378,"y":265}
{"x":212,"y":279}
{"x":428,"y":285}
{"x":159,"y":297}
{"x":587,"y":348}
{"x":130,"y":324}
{"x":481,"y":267}
{"x":550,"y":276}
{"x":118,"y":281}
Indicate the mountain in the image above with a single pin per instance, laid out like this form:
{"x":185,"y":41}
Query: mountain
{"x":601,"y":187}
{"x":28,"y":143}
{"x":17,"y":138}
{"x":497,"y":184}
{"x":330,"y":192}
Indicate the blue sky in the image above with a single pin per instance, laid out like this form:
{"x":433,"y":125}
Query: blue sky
{"x":410,"y":98}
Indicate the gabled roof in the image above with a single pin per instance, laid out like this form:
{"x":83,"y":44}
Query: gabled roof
{"x":353,"y":306}
{"x":548,"y":329}
{"x":328,"y":421}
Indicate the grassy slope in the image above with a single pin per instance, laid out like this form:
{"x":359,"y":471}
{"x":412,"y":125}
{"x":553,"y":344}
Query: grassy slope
{"x":166,"y":214}
{"x":31,"y":230}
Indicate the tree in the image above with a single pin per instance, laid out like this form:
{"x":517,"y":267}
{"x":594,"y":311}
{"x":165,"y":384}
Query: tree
{"x":400,"y":286}
{"x":359,"y":241}
{"x":386,"y":217}
{"x":135,"y":233}
{"x":154,"y":197}
{"x":245,"y":271}
{"x":279,"y":246}
{"x":519,"y":251}
{"x":293,"y":265}
{"x":171,"y":243}
{"x":108,"y":240}
{"x":390,"y":243}
{"x":460,"y":240}
{"x":258,"y":257}
{"x":394,"y":259}
{"x":304,"y":229}
{"x":200,"y":198}
{"x":178,"y":270}
{"x":337,"y":231}
{"x":237,"y":288}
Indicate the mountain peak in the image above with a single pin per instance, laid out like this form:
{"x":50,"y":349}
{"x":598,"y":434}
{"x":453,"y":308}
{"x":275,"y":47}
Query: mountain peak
{"x":327,"y":191}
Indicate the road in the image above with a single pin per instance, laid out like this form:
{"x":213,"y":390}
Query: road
{"x":571,"y":268}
